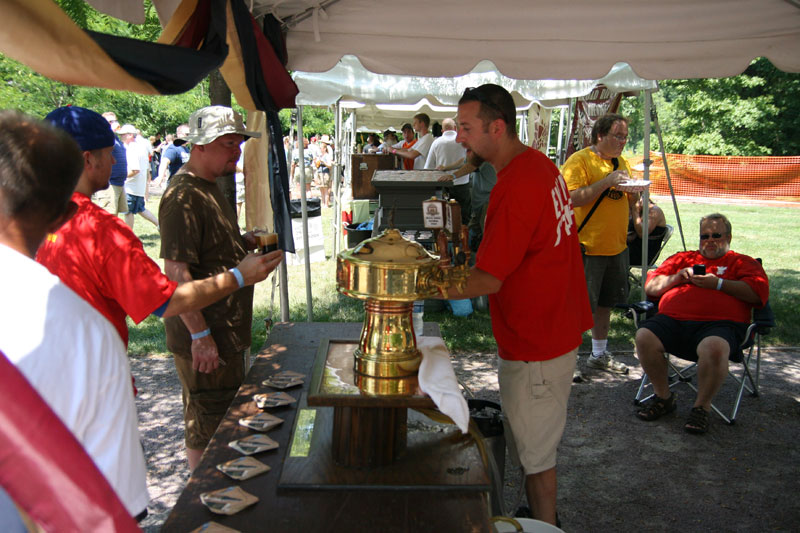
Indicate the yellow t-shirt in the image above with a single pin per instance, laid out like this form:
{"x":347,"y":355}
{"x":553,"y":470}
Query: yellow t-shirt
{"x":606,"y":231}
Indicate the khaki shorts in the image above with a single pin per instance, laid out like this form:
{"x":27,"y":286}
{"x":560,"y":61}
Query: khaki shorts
{"x":534,"y":396}
{"x":206,"y":397}
{"x":117,"y":200}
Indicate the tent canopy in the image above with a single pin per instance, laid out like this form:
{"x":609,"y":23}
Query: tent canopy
{"x":348,"y":79}
{"x":546,"y":39}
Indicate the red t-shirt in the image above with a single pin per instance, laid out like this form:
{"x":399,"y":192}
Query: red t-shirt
{"x":99,"y":257}
{"x":530,"y":243}
{"x":690,"y":302}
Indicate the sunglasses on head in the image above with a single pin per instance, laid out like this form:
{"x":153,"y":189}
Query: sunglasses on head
{"x":706,"y":236}
{"x":476,"y":94}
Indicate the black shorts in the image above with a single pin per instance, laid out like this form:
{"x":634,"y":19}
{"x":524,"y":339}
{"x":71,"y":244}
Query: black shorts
{"x":681,"y":337}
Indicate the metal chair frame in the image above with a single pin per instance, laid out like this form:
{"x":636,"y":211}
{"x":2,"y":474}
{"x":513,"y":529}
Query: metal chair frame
{"x":636,"y":280}
{"x":745,"y":379}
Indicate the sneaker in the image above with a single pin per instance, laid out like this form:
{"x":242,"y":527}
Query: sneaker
{"x":606,"y":362}
{"x":577,"y":376}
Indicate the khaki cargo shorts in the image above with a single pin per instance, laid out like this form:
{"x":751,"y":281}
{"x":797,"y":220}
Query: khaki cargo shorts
{"x":206,"y":397}
{"x":534,"y":396}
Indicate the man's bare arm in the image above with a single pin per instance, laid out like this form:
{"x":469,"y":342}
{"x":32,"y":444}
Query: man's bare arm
{"x":658,"y":285}
{"x":193,"y":295}
{"x":586,"y":195}
{"x":479,"y":283}
{"x":738,"y":289}
{"x":205,"y":356}
{"x":735,"y":288}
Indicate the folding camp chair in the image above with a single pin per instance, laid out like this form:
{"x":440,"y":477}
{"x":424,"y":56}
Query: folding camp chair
{"x":655,"y":245}
{"x":746,"y":378}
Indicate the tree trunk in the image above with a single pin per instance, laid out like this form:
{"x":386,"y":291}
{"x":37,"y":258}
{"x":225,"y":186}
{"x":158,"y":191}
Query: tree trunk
{"x":218,"y":91}
{"x":220,"y":94}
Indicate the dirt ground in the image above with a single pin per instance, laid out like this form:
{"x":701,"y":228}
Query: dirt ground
{"x":616,"y":473}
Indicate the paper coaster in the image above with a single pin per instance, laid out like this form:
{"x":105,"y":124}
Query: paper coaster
{"x":282,"y":382}
{"x":253,"y":444}
{"x":260,"y":422}
{"x":213,"y":527}
{"x":243,"y":468}
{"x":289,"y":374}
{"x":273,"y":399}
{"x":228,"y":501}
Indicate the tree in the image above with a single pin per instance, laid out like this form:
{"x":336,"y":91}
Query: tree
{"x":24,"y":89}
{"x":750,"y":114}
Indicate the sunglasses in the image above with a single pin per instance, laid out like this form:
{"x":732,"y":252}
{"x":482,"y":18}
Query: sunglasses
{"x":706,"y":236}
{"x":475,"y":93}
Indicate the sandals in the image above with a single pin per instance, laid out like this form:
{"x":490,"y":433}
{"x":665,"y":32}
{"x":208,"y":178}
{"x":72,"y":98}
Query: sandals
{"x":697,"y":422}
{"x":658,"y":407}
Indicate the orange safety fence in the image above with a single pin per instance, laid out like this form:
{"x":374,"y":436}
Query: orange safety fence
{"x":708,"y":176}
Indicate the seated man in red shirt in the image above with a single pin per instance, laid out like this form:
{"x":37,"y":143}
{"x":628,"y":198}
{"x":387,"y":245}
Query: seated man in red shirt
{"x":701,"y":317}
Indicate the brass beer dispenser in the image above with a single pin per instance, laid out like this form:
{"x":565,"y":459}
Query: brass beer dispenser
{"x":389,"y":273}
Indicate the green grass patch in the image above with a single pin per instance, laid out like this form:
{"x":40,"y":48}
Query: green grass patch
{"x":759,"y":231}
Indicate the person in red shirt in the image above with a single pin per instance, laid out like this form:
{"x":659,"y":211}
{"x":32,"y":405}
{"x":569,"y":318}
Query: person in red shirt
{"x":529,"y":263}
{"x":701,"y":317}
{"x":102,"y":260}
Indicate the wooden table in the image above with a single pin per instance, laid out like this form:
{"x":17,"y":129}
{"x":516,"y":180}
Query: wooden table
{"x":404,"y":507}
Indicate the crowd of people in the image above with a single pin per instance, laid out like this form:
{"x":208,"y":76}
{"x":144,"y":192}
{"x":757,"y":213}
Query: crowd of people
{"x":316,"y":169}
{"x":551,"y":256}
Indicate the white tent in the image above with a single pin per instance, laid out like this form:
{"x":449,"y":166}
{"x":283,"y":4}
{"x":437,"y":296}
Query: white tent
{"x":545,"y":39}
{"x":349,"y":80}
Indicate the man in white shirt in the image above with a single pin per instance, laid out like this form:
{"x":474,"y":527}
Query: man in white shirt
{"x":68,"y":352}
{"x":447,"y":154}
{"x":136,"y":184}
{"x":419,"y":152}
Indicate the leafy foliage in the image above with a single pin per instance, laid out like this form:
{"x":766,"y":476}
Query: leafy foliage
{"x":24,"y":89}
{"x":750,"y":115}
{"x":316,"y":120}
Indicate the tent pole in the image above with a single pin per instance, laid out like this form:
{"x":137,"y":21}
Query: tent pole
{"x":337,"y":170}
{"x":284,"y":275}
{"x":648,"y":104}
{"x":657,"y":128}
{"x":302,"y":167}
{"x":559,"y":141}
{"x":567,"y":133}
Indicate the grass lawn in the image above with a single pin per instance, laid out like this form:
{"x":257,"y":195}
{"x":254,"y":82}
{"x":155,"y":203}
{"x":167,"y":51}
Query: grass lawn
{"x":759,"y":231}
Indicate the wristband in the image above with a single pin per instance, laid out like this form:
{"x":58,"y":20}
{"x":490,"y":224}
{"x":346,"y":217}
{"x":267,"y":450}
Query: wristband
{"x":238,"y":276}
{"x":719,"y":284}
{"x":200,"y":334}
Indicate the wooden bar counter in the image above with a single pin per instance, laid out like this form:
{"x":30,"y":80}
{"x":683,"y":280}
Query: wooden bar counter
{"x":305,"y":491}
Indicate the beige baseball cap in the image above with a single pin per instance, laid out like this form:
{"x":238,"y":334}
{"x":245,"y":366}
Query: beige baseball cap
{"x":210,"y":123}
{"x":127,"y":128}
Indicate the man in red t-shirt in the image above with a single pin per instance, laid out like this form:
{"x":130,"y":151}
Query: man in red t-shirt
{"x":103,"y":261}
{"x":702,"y":316}
{"x":529,"y":263}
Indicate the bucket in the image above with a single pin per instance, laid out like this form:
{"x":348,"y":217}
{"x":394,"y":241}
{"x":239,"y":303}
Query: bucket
{"x":355,"y":236}
{"x":487,"y":415}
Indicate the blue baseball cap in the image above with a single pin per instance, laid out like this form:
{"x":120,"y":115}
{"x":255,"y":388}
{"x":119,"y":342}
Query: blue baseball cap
{"x":89,"y":129}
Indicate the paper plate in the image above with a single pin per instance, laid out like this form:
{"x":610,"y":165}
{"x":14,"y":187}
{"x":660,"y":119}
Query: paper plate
{"x":633,"y":185}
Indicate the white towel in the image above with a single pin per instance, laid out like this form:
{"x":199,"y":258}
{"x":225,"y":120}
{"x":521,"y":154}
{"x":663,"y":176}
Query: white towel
{"x":438,"y":380}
